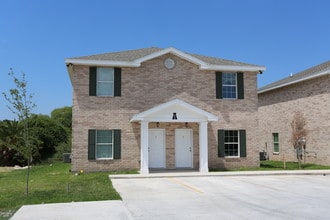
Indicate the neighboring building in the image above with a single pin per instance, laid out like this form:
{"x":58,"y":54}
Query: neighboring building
{"x":308,"y":92}
{"x":163,"y":109}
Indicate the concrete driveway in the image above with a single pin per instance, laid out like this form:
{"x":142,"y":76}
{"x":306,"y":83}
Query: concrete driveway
{"x":227,"y":197}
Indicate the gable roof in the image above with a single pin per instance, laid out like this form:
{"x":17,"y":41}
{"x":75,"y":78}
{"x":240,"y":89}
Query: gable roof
{"x":313,"y":72}
{"x":134,"y":58}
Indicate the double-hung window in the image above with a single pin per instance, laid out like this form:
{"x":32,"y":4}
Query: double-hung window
{"x":104,"y":144}
{"x":231,"y":143}
{"x":276,"y":143}
{"x":104,"y":81}
{"x":229,"y":85}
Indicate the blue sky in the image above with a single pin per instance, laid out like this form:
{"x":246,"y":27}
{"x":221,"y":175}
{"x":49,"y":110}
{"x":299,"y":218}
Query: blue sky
{"x":286,"y":36}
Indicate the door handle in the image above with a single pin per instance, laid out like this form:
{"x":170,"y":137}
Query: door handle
{"x":190,"y":149}
{"x":148,"y":149}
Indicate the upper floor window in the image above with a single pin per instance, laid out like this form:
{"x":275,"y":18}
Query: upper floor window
{"x":104,"y":81}
{"x":104,"y":85}
{"x":229,"y":85}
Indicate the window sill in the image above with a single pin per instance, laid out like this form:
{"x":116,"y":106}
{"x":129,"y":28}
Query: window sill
{"x":276,"y":153}
{"x":100,"y":159}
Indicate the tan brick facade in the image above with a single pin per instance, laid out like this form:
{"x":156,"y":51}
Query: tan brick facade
{"x":276,"y":109}
{"x":152,"y":84}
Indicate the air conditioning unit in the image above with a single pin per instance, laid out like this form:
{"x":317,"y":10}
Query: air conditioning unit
{"x":67,"y":157}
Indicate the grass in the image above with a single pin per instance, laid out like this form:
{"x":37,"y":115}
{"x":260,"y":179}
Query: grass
{"x":52,"y":184}
{"x":276,"y":165}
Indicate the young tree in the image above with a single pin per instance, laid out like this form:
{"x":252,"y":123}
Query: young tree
{"x":20,"y":104}
{"x":299,"y":133}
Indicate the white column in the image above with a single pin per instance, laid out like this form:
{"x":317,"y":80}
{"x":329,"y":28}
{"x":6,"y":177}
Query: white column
{"x":144,"y":148}
{"x":203,"y":148}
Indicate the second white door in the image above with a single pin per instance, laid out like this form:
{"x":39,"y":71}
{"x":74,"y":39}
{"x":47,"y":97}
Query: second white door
{"x":183,"y":148}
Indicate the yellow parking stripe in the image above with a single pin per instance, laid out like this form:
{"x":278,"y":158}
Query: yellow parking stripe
{"x":185,"y":185}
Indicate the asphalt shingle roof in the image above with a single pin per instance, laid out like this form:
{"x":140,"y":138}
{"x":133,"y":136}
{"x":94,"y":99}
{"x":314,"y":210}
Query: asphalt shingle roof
{"x":131,"y":55}
{"x":305,"y":74}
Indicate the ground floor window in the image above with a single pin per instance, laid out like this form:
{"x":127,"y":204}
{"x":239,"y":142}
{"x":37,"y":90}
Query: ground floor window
{"x":104,"y":144}
{"x":276,"y":143}
{"x":231,"y":143}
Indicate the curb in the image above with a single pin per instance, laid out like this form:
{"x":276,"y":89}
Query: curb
{"x":221,"y":174}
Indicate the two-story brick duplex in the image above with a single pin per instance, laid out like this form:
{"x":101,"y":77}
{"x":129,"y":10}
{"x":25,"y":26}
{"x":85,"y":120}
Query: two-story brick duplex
{"x":308,"y":92}
{"x":163,"y":109}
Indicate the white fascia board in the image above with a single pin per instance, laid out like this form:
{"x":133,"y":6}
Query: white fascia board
{"x":233,"y":68}
{"x":295,"y":81}
{"x":101,"y":63}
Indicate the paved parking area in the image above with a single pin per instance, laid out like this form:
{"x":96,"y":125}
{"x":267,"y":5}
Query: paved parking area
{"x":227,"y":197}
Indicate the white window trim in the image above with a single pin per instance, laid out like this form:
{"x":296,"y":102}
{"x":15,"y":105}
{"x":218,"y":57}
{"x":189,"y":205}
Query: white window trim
{"x":104,"y":81}
{"x":236,"y":90}
{"x":278,"y":137}
{"x":112,"y":146}
{"x":238,"y":145}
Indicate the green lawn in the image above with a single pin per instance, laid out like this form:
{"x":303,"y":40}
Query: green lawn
{"x":52,"y":184}
{"x":276,"y":165}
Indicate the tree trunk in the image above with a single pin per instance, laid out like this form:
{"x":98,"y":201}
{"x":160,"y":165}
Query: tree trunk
{"x":27,"y":177}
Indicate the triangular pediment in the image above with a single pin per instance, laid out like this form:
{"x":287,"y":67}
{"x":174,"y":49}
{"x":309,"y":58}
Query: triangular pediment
{"x":175,"y":111}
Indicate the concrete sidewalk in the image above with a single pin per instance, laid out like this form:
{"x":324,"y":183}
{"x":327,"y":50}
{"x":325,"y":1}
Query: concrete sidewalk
{"x":174,"y":173}
{"x":76,"y":210}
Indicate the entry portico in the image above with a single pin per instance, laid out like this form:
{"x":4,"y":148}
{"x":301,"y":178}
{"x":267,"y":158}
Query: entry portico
{"x":174,"y":111}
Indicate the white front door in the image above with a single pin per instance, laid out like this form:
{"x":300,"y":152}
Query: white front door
{"x":156,"y":148}
{"x":183,"y":148}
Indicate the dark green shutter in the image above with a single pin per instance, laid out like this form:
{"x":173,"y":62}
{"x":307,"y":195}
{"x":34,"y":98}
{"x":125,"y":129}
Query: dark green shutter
{"x":117,"y":144}
{"x":240,"y":85}
{"x":91,"y":144}
{"x":221,"y":143}
{"x":242,"y":141}
{"x":92,"y":81}
{"x":117,"y":83}
{"x":218,"y":85}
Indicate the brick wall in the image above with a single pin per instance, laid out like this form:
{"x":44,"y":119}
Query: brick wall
{"x":276,"y":110}
{"x":152,"y":84}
